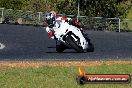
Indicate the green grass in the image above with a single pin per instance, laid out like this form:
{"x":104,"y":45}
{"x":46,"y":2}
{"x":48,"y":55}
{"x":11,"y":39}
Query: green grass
{"x":58,"y":77}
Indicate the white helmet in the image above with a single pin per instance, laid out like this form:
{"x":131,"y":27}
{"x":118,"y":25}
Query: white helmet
{"x":50,"y":18}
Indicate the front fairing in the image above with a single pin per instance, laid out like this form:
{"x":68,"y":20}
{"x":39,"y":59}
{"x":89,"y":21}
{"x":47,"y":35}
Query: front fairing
{"x":69,"y":30}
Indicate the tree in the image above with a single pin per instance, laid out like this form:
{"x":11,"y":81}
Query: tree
{"x":104,"y":8}
{"x":11,"y":4}
{"x":124,"y":7}
{"x":67,"y":7}
{"x":34,"y":5}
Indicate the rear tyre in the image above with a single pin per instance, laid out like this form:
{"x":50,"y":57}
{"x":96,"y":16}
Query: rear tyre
{"x":74,"y":44}
{"x":60,"y":48}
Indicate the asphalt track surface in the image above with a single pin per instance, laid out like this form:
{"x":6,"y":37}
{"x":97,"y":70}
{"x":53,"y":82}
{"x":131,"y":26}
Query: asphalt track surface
{"x":28,"y":42}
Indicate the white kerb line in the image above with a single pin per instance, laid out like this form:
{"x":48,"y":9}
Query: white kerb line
{"x":2,"y":46}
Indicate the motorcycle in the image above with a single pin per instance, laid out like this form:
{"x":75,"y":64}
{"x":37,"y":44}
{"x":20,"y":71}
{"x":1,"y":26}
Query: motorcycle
{"x":70,"y":36}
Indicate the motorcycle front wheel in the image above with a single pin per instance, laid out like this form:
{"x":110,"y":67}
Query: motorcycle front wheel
{"x":70,"y":40}
{"x":60,"y":48}
{"x":90,"y":47}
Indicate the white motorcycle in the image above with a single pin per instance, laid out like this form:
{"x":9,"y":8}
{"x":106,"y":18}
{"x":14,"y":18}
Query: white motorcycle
{"x":70,"y":36}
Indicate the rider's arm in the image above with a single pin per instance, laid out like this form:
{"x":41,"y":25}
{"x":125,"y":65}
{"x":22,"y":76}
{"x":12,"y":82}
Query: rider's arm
{"x":50,"y":33}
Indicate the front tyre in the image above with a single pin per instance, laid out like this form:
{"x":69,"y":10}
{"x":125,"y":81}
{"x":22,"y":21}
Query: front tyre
{"x":90,"y":47}
{"x":60,"y":48}
{"x":74,"y":44}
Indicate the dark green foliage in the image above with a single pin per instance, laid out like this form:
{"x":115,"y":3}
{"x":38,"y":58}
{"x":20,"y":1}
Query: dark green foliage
{"x":11,"y":4}
{"x":66,"y":7}
{"x":103,"y":8}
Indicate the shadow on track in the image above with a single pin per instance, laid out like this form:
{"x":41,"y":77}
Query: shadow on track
{"x":51,"y":47}
{"x":67,"y":52}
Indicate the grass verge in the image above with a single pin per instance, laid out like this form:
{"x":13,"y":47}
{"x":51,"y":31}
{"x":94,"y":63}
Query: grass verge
{"x":59,"y":74}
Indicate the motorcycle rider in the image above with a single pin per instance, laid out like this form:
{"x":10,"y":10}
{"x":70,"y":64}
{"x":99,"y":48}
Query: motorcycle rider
{"x":50,"y":19}
{"x":54,"y":22}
